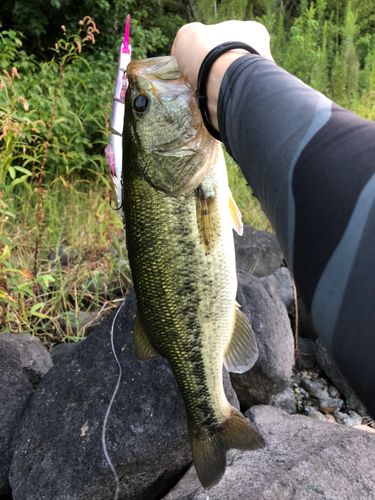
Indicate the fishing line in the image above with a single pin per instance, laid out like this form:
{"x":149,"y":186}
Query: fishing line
{"x":109,"y":461}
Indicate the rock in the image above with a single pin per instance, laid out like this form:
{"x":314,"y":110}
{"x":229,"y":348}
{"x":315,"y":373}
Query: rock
{"x":65,"y":255}
{"x":330,"y":418}
{"x":23,"y":362}
{"x":344,"y":418}
{"x":72,"y":323}
{"x":333,"y":392}
{"x":332,"y":370}
{"x":257,"y":252}
{"x":315,"y":388}
{"x":285,"y":400}
{"x":330,"y":404}
{"x":305,"y":359}
{"x":350,"y":420}
{"x":98,"y":284}
{"x":59,"y":352}
{"x":365,"y":428}
{"x":304,"y":459}
{"x":269,"y":320}
{"x":357,"y":419}
{"x":313,"y":412}
{"x":57,"y":449}
{"x":296,"y":379}
{"x":280,"y":284}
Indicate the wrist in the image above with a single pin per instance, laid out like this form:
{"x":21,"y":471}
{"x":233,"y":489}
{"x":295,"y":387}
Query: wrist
{"x":210,"y":76}
{"x":214,"y":80}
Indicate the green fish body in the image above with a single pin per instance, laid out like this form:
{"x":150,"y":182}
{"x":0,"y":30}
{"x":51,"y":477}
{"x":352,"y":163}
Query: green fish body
{"x":179,"y":216}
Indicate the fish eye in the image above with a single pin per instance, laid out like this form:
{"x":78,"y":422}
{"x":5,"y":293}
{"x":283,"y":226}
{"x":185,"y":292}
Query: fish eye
{"x":140,"y":103}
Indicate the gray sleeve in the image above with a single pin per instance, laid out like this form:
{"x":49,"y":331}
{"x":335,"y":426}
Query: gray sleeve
{"x":311,"y":164}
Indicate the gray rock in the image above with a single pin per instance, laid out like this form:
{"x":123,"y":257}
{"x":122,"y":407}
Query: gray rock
{"x":330,"y":404}
{"x":305,"y":359}
{"x":315,"y":388}
{"x":57,"y":449}
{"x":344,"y":418}
{"x":285,"y":400}
{"x":64,"y":254}
{"x":98,"y":284}
{"x":296,"y":379}
{"x":71,"y":322}
{"x":333,"y":392}
{"x":23,"y":362}
{"x":59,"y":352}
{"x":269,"y":320}
{"x":313,"y":412}
{"x":331,"y":368}
{"x":350,"y":419}
{"x":257,"y":252}
{"x":357,"y":419}
{"x":304,"y":459}
{"x":280,"y":283}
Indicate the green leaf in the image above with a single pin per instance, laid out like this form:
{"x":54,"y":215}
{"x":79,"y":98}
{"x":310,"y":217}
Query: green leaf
{"x":46,"y":278}
{"x":5,"y":240}
{"x":12,"y":172}
{"x":37,"y":306}
{"x":19,"y":180}
{"x":24,"y":170}
{"x":40,"y":315}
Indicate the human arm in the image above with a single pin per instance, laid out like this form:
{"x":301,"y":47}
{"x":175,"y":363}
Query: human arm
{"x":311,"y":164}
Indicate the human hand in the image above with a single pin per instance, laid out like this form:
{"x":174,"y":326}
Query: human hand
{"x":194,"y":41}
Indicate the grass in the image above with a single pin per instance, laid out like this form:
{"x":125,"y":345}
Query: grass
{"x":79,"y":218}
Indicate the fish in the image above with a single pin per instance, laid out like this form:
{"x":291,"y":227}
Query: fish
{"x":179,"y":215}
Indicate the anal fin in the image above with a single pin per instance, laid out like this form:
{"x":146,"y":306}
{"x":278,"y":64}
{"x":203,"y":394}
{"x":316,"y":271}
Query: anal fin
{"x":209,"y":452}
{"x":143,"y":349}
{"x":242,"y":351}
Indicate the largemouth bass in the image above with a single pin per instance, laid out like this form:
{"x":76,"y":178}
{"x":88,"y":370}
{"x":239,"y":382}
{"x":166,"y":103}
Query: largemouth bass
{"x":179,"y":216}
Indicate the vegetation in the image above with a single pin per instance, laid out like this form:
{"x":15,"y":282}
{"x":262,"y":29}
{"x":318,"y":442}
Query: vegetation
{"x":57,"y":70}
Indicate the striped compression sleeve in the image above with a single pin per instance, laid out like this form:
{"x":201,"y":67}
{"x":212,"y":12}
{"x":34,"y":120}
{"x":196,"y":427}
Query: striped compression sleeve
{"x":311,"y":164}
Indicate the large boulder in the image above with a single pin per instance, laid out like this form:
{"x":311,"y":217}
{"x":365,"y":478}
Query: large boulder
{"x":23,"y":362}
{"x":279,"y":284}
{"x":267,"y":314}
{"x":58,"y":451}
{"x":304,"y":459}
{"x":257,"y":252}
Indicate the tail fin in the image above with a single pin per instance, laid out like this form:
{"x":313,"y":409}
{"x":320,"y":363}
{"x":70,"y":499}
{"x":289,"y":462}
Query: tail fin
{"x":209,"y":452}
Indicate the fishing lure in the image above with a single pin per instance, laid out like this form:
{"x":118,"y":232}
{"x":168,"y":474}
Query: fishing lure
{"x":113,"y":151}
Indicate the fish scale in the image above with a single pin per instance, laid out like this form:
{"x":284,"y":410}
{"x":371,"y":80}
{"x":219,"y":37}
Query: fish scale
{"x":181,"y":253}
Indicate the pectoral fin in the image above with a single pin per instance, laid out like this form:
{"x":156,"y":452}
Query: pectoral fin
{"x":235,"y":215}
{"x":143,"y":349}
{"x":242,"y":351}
